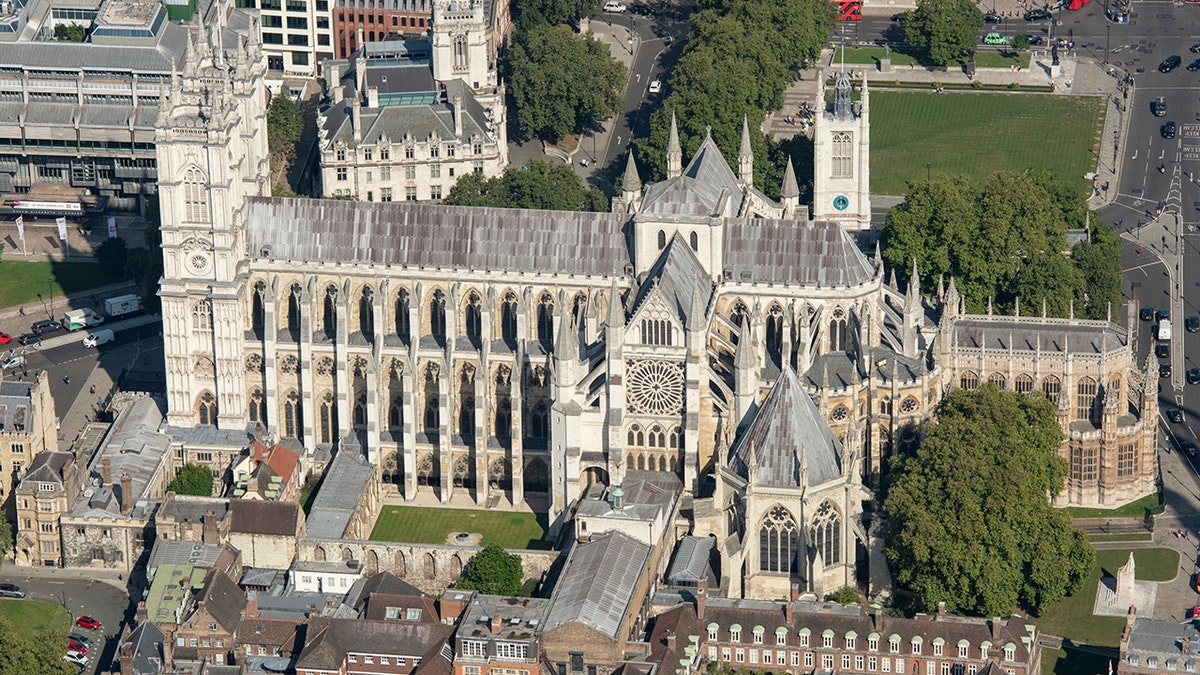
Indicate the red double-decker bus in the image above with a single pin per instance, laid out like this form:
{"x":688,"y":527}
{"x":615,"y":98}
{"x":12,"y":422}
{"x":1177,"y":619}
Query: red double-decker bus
{"x":849,"y":10}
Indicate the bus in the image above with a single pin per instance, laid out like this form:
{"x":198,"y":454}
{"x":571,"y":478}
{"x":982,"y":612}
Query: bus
{"x":849,"y":10}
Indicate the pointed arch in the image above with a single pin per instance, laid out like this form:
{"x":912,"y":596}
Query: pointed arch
{"x":472,"y":314}
{"x":778,"y":541}
{"x":195,"y":195}
{"x":968,"y":380}
{"x":366,"y":313}
{"x":776,"y":325}
{"x":508,"y":319}
{"x":400,"y":305}
{"x":545,"y":318}
{"x":206,"y":409}
{"x":827,"y":533}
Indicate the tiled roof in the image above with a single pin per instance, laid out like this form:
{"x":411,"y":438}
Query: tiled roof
{"x":1165,"y":639}
{"x":692,"y":558}
{"x":145,"y":642}
{"x":788,"y":432}
{"x":598,"y":583}
{"x":348,"y":476}
{"x":699,"y":190}
{"x":430,"y":235}
{"x":679,"y":621}
{"x":47,"y":467}
{"x":330,"y":640}
{"x":260,"y":517}
{"x":678,"y":275}
{"x":816,"y":253}
{"x":222,"y":599}
{"x":390,"y":584}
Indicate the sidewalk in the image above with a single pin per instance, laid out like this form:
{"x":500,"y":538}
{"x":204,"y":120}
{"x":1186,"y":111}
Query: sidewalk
{"x":111,"y":577}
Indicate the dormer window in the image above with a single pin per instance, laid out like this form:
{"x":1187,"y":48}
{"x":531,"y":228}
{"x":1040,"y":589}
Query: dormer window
{"x":341,"y":154}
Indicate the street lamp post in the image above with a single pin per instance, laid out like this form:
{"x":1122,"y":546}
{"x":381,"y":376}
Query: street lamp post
{"x":1107,"y":41}
{"x":928,"y":169}
{"x":50,"y":285}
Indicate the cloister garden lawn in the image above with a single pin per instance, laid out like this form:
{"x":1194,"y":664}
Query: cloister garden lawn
{"x":425,"y":525}
{"x":979,"y":133}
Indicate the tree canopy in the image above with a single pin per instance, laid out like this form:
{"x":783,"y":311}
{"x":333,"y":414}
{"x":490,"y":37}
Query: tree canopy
{"x":494,"y":571}
{"x":739,"y":58}
{"x":541,"y":186}
{"x":193,"y":479}
{"x":40,"y":652}
{"x":1005,"y":238}
{"x":285,"y":125}
{"x":6,"y":539}
{"x":946,"y":29}
{"x":974,"y":527}
{"x":560,"y":82}
{"x":552,"y":12}
{"x":113,"y":256}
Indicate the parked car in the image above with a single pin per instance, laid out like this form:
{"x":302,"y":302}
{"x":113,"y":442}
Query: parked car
{"x":74,"y":646}
{"x":1193,"y":376}
{"x":1193,"y":66}
{"x":992,"y":18}
{"x":1164,"y":370}
{"x":11,"y":591}
{"x":88,"y":623}
{"x":30,"y":338}
{"x":76,"y":660}
{"x":1175,"y":415}
{"x":1189,"y":449}
{"x":1192,"y":323}
{"x":1165,"y":312}
{"x":5,"y":338}
{"x":1170,"y":63}
{"x":81,"y":639}
{"x":994,"y":39}
{"x":1037,"y":15}
{"x":1195,"y":49}
{"x":1194,"y":613}
{"x":1147,"y":314}
{"x":1162,"y":351}
{"x":1159,"y":107}
{"x":45,"y":326}
{"x":611,"y":6}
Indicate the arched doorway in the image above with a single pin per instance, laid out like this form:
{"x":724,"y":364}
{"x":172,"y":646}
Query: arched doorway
{"x":591,"y":476}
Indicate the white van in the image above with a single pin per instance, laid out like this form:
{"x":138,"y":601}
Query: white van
{"x":98,"y":338}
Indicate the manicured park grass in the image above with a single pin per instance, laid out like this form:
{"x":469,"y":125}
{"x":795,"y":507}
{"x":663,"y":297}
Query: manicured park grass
{"x":1135,"y":509}
{"x":422,"y":525}
{"x":28,"y":617}
{"x":1072,"y":617}
{"x":979,"y":133}
{"x":1101,"y":538}
{"x":1073,"y":662}
{"x":22,"y":281}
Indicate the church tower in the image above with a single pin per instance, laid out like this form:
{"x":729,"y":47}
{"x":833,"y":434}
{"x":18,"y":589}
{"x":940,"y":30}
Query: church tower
{"x":842,"y":158}
{"x":459,"y":42}
{"x":211,"y":147}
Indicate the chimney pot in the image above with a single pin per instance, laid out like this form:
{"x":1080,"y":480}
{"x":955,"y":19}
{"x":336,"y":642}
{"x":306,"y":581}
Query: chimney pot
{"x":496,"y":623}
{"x":795,"y":592}
{"x":941,"y":608}
{"x":670,"y":641}
{"x":701,"y":597}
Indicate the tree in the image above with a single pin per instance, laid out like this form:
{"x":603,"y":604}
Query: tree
{"x":193,"y":479}
{"x":113,"y":256}
{"x":561,"y":83}
{"x":529,"y":12}
{"x":69,"y":32}
{"x":493,"y":571}
{"x":945,"y":29}
{"x":539,"y":185}
{"x":285,"y":126}
{"x":1004,"y":239}
{"x":846,"y":595}
{"x":974,"y":527}
{"x":37,"y":653}
{"x":6,"y":538}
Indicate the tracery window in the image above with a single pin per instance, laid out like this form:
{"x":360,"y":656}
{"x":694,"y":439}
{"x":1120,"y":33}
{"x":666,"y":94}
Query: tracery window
{"x":1051,"y":386}
{"x":1085,"y":398}
{"x":195,"y":196}
{"x":778,"y":541}
{"x":206,"y":409}
{"x":1023,"y":384}
{"x":843,"y":155}
{"x":827,"y":533}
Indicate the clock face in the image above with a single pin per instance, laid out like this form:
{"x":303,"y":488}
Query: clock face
{"x":841,"y":203}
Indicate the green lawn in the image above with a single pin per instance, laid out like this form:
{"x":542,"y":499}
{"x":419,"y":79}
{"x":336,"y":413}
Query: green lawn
{"x":979,"y":133}
{"x":21,"y":282}
{"x":1074,"y":662}
{"x":1072,"y":617}
{"x":1135,"y":509}
{"x":422,"y":525}
{"x":30,"y":616}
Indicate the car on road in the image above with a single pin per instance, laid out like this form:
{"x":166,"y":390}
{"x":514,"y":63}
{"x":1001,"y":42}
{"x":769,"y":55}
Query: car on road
{"x":616,"y":7}
{"x":1034,"y":39}
{"x":1165,"y":312}
{"x":29,"y":338}
{"x":11,"y":591}
{"x":1192,"y":323}
{"x":1193,"y":66}
{"x":1168,"y":130}
{"x":994,"y":39}
{"x":1193,"y":376}
{"x":1170,"y":63}
{"x":1162,"y":351}
{"x":1195,"y":49}
{"x":5,"y":338}
{"x":655,"y":86}
{"x":88,"y":623}
{"x":1159,"y":107}
{"x":45,"y":326}
{"x":1147,"y":314}
{"x":14,"y":361}
{"x":1037,"y":15}
{"x":992,"y":18}
{"x":1189,"y":449}
{"x":1175,"y":415}
{"x":1164,"y":370}
{"x":1194,"y":613}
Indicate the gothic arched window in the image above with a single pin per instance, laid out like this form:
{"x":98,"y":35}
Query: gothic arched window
{"x":460,"y":52}
{"x":258,"y":406}
{"x":843,"y":155}
{"x":202,"y":316}
{"x":827,"y":534}
{"x":195,"y":196}
{"x":1051,"y":386}
{"x":1085,"y":399}
{"x":292,"y":420}
{"x":206,"y":409}
{"x":360,"y":412}
{"x":328,"y":418}
{"x":778,"y":541}
{"x":837,"y":332}
{"x":437,"y":315}
{"x":508,"y":319}
{"x":396,"y":414}
{"x":694,"y":240}
{"x":545,"y":319}
{"x":401,"y":311}
{"x":366,"y":313}
{"x":662,"y":240}
{"x":293,"y":312}
{"x":472,"y":314}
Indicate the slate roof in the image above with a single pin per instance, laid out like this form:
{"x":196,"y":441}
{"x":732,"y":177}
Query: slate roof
{"x":1028,"y":334}
{"x":598,"y":583}
{"x":378,"y":604}
{"x":278,"y":633}
{"x":807,"y":253}
{"x":677,"y":275}
{"x":266,"y":518}
{"x":192,"y":553}
{"x":788,"y":430}
{"x":388,"y":584}
{"x":519,"y":617}
{"x":1164,"y":639}
{"x":222,"y":599}
{"x":679,"y":621}
{"x":699,"y":190}
{"x":133,"y":446}
{"x":330,"y":640}
{"x":146,"y":644}
{"x":430,"y":235}
{"x":15,"y":404}
{"x":648,"y":494}
{"x":47,"y":467}
{"x":345,"y":480}
{"x":691,"y":562}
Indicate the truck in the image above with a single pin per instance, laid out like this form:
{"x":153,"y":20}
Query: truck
{"x":122,"y":305}
{"x":81,"y":318}
{"x":1164,"y":330}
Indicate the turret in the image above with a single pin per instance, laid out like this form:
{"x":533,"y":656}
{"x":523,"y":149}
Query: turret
{"x":841,"y":96}
{"x":746,"y":156}
{"x":696,"y":320}
{"x":674,"y":153}
{"x":566,"y":349}
{"x":744,"y":375}
{"x":631,"y":186}
{"x":789,"y":192}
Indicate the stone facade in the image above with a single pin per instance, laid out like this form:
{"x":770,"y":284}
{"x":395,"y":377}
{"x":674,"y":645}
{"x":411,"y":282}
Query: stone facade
{"x":46,"y":491}
{"x":28,"y":426}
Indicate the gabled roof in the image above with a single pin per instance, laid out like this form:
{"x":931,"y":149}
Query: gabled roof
{"x":787,"y":432}
{"x":222,"y":599}
{"x":332,"y":639}
{"x":677,"y":275}
{"x":257,"y":630}
{"x":268,"y":518}
{"x":679,"y":621}
{"x":699,"y":190}
{"x":47,"y":467}
{"x":691,"y":562}
{"x":598,"y":583}
{"x":144,"y":646}
{"x":388,"y":584}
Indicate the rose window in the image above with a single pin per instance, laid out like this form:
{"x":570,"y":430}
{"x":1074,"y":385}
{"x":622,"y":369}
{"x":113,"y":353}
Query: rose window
{"x":655,"y":388}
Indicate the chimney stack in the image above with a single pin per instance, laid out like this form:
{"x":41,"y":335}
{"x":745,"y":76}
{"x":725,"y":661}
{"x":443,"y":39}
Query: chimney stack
{"x":995,"y":623}
{"x":795,"y":592}
{"x":251,"y":609}
{"x":496,"y":623}
{"x":701,"y":597}
{"x":787,"y":612}
{"x":106,"y":470}
{"x":877,"y":618}
{"x":141,"y":613}
{"x":126,"y":493}
{"x":209,"y":528}
{"x":941,"y":609}
{"x":372,"y":97}
{"x":670,"y":641}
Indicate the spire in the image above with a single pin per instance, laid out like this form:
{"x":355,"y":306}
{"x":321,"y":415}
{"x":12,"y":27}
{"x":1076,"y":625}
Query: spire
{"x":695,"y":317}
{"x":841,"y":95}
{"x":744,"y":359}
{"x":632,"y":182}
{"x":674,"y":153}
{"x":878,"y":257}
{"x":566,"y":347}
{"x":791,"y":189}
{"x":616,"y":310}
{"x":989,"y":305}
{"x":952,"y":294}
{"x":892,"y":280}
{"x":746,"y":156}
{"x":1017,"y":306}
{"x":1071,"y":309}
{"x":941,"y":291}
{"x":914,"y":283}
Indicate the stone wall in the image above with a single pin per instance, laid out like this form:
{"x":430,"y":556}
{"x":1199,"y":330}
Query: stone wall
{"x":429,"y":567}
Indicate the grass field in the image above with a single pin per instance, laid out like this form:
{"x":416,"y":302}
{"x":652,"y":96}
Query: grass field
{"x":1072,"y":617}
{"x":21,"y":282}
{"x":1135,"y":509}
{"x":1100,"y":538}
{"x":977,"y":134}
{"x":30,"y":616}
{"x":421,"y":525}
{"x":1074,"y":662}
